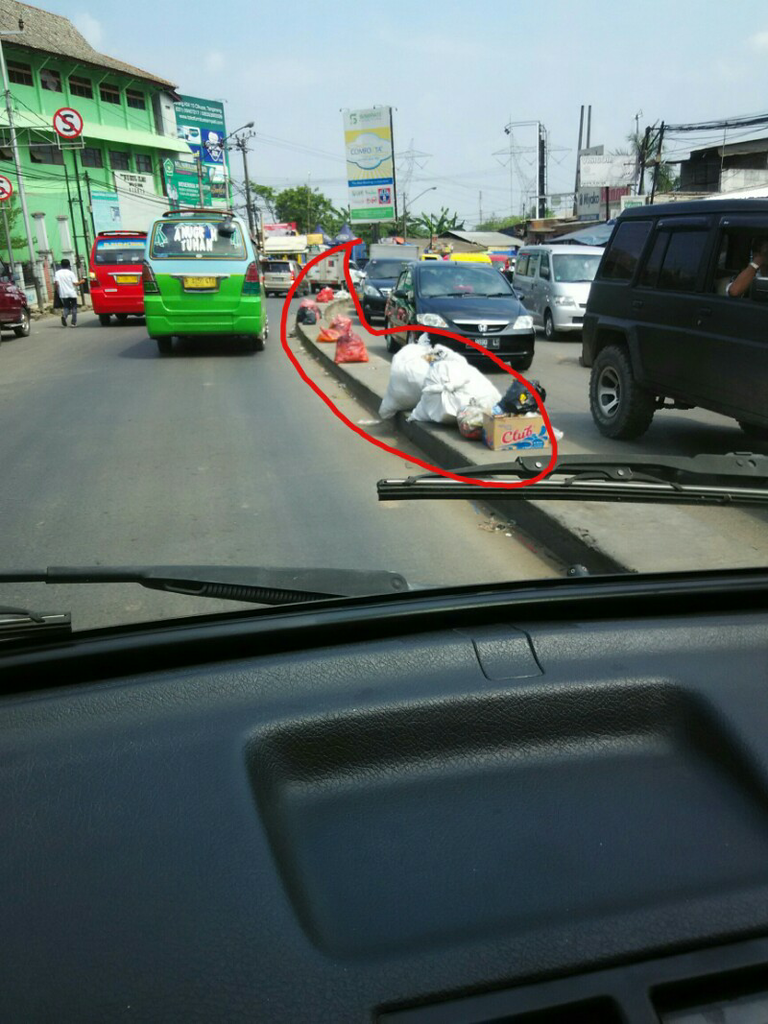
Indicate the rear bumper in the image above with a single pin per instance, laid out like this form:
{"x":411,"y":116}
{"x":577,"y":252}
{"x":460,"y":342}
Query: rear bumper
{"x":114,"y":302}
{"x":163,"y":322}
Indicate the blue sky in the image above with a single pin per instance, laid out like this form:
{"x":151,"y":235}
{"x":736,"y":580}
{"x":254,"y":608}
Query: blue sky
{"x":455,"y":72}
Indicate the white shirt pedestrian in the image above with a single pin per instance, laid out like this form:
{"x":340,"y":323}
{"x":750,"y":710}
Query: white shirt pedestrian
{"x":67,"y":283}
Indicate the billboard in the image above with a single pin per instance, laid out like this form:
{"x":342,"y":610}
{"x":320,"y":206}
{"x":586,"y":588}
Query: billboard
{"x":139,"y":202}
{"x":201,"y":124}
{"x":370,"y":165}
{"x":279,"y":230}
{"x":105,"y":208}
{"x":607,"y":171}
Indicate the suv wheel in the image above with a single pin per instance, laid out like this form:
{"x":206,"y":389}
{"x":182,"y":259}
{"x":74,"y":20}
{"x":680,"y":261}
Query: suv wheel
{"x":549,"y":327}
{"x":755,"y":432}
{"x":165,"y":345}
{"x":620,"y":407}
{"x":22,"y":331}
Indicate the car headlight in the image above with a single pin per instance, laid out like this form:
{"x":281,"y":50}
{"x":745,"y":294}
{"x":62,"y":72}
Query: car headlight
{"x":431,"y":320}
{"x":523,"y":323}
{"x":564,"y":300}
{"x":373,"y":292}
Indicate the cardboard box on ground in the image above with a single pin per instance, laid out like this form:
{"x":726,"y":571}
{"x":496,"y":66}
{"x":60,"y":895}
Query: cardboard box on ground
{"x":515,"y":433}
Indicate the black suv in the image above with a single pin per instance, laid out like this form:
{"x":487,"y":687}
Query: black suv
{"x":660,"y":330}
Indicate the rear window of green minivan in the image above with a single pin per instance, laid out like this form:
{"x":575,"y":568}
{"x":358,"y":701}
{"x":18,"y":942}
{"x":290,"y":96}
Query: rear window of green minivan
{"x":195,"y":239}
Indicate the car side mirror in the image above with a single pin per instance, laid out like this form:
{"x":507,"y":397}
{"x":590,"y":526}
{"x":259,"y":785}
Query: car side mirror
{"x":400,"y":294}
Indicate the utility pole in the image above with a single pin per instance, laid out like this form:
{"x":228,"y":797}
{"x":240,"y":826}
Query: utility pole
{"x":658,"y":161}
{"x":480,"y":207}
{"x":19,"y":176}
{"x":542,"y":172}
{"x":578,"y":163}
{"x":589,"y":126}
{"x":241,"y":144}
{"x":643,"y":155}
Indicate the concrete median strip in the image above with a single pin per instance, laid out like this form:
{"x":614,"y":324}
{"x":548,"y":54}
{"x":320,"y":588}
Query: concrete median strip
{"x":606,"y":537}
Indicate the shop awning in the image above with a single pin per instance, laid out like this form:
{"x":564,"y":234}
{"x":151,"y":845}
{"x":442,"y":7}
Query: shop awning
{"x":25,"y":120}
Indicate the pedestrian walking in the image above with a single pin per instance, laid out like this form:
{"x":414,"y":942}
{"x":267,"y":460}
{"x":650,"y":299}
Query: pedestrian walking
{"x":66,"y":284}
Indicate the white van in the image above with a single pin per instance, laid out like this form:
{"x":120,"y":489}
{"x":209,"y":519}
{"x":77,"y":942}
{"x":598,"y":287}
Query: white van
{"x":554,"y":281}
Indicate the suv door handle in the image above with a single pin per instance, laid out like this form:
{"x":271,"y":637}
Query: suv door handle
{"x":637,"y":304}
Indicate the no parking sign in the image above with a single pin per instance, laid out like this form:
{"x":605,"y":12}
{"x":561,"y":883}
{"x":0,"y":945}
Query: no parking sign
{"x":67,"y":122}
{"x":6,"y":188}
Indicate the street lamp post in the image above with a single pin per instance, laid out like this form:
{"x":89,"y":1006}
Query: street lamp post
{"x":431,"y":188}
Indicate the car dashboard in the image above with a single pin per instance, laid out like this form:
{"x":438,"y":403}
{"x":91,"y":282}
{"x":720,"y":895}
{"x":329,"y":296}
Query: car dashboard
{"x":430,"y":809}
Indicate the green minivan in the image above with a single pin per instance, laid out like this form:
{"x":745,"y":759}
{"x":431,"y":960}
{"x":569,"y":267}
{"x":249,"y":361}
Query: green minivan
{"x":201,"y":278}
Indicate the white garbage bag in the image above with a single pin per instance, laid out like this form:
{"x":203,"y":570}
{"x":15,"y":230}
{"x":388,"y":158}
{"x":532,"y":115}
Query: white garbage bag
{"x":450,"y":385}
{"x":410,"y":366}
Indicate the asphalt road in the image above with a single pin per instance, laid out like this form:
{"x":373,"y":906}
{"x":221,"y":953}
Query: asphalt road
{"x":113,"y":455}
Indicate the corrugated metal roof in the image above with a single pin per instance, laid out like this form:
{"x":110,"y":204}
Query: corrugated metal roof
{"x":55,"y":34}
{"x":485,"y":239}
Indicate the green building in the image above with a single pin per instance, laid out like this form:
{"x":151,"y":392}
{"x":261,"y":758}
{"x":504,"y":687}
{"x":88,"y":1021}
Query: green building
{"x":129,"y":130}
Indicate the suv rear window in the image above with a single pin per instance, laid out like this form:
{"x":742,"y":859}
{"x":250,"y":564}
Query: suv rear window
{"x":119,"y":250}
{"x":624,"y":251}
{"x":192,"y":239}
{"x":276,"y":267}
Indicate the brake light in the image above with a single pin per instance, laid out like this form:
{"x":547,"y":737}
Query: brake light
{"x":252,"y":283}
{"x":149,"y":281}
{"x":94,"y":279}
{"x":293,"y":275}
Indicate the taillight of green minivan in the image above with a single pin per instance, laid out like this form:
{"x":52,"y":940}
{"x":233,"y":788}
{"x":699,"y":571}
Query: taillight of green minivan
{"x":252,"y":282}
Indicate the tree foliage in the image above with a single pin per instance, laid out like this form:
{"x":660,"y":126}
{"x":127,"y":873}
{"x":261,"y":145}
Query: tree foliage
{"x":667,"y":179}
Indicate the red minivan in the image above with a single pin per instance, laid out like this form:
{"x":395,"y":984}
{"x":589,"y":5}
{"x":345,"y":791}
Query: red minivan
{"x":14,"y":308}
{"x":116,"y":264}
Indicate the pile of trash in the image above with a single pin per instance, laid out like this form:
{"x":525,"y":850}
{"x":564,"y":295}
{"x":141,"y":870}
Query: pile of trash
{"x":308,"y":312}
{"x":350,"y":347}
{"x":325,"y":294}
{"x":435,"y":384}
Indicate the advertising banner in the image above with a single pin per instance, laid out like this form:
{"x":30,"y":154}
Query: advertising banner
{"x":278,"y":230}
{"x":182,"y":183}
{"x":201,"y":124}
{"x":607,"y":171}
{"x":105,"y":207}
{"x":370,"y":165}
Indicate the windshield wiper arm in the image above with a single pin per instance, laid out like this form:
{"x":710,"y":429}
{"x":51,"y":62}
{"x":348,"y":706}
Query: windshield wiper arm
{"x":740,"y":478}
{"x":229,"y":583}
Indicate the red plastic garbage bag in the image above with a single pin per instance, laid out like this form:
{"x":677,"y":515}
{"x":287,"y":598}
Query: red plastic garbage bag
{"x":342,"y":324}
{"x":325,"y":295}
{"x":351,"y":349}
{"x":328,"y":334}
{"x":309,"y":304}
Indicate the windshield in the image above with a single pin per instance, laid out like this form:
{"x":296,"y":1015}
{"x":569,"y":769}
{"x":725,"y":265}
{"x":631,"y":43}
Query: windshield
{"x":123,"y":250}
{"x":463,"y":279}
{"x":197,"y":238}
{"x":386,"y":268}
{"x":573,"y":268}
{"x":165,"y":403}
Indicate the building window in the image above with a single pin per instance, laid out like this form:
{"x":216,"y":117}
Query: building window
{"x":80,"y":87}
{"x":135,"y":99}
{"x":119,"y":161}
{"x":50,"y":80}
{"x":6,"y":153}
{"x":109,"y":93}
{"x":46,"y":155}
{"x":21,"y":74}
{"x":143,"y":164}
{"x":90,"y":156}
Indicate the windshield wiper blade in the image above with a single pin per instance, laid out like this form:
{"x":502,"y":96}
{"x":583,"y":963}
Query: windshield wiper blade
{"x":257,"y":584}
{"x":740,"y":478}
{"x":18,"y":623}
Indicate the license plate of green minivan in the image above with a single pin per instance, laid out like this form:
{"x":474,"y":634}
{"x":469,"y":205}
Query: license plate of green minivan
{"x":196,"y":284}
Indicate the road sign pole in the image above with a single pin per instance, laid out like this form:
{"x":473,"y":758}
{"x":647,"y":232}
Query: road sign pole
{"x":8,"y":242}
{"x":20,"y":181}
